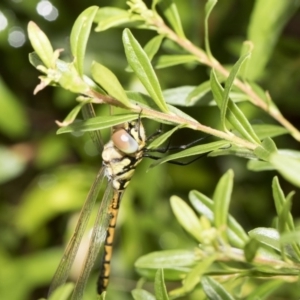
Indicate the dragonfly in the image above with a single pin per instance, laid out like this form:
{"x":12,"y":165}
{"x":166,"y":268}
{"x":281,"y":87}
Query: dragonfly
{"x":120,"y":156}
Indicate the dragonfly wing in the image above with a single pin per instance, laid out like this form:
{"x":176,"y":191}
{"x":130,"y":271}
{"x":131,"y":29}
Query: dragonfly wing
{"x":88,"y":112}
{"x":96,"y":242}
{"x":67,"y":260}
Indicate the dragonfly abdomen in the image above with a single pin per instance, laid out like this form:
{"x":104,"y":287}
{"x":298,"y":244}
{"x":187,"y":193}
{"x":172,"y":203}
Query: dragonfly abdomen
{"x":108,"y":245}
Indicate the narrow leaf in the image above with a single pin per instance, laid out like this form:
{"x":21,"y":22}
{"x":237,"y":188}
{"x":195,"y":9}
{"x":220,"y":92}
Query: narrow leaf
{"x":109,"y":82}
{"x":214,"y":290}
{"x":280,"y":203}
{"x":167,"y":259}
{"x":204,"y":206}
{"x":197,"y":150}
{"x":171,"y":13}
{"x":139,"y":294}
{"x":267,"y":236}
{"x":264,"y":29}
{"x":234,"y":114}
{"x":251,"y":249}
{"x":97,"y":123}
{"x":278,"y":195}
{"x":186,"y":217}
{"x":40,"y":44}
{"x":159,"y":286}
{"x":79,"y":36}
{"x":259,"y":166}
{"x":165,"y":61}
{"x":177,"y":96}
{"x":228,"y":85}
{"x":208,"y":9}
{"x":108,"y":17}
{"x":195,"y":275}
{"x":142,"y":99}
{"x":246,"y":48}
{"x":163,"y":137}
{"x":196,"y":94}
{"x":70,"y":118}
{"x":140,"y":64}
{"x":267,"y":130}
{"x":153,"y":46}
{"x":287,"y":166}
{"x":221,"y":200}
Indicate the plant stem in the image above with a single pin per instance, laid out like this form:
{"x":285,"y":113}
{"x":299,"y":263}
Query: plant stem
{"x":157,"y":115}
{"x":203,"y":58}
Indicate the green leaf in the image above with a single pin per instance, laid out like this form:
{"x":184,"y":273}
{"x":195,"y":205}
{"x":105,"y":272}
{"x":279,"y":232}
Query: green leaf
{"x":208,"y":9}
{"x":165,"y":61}
{"x":153,"y":46}
{"x":167,"y":259}
{"x":228,"y":85}
{"x":221,"y":200}
{"x":69,"y":78}
{"x":251,"y":249}
{"x":170,"y":11}
{"x":267,"y":130}
{"x":195,"y":275}
{"x":177,"y":112}
{"x":97,"y":123}
{"x":186,"y":217}
{"x":196,"y":150}
{"x":258,"y":166}
{"x":159,"y":286}
{"x":139,"y":294}
{"x":204,"y":205}
{"x":213,"y":290}
{"x":70,"y":118}
{"x":196,"y":94}
{"x":266,"y":149}
{"x":279,"y":198}
{"x":177,"y":96}
{"x":247,"y":47}
{"x":287,"y":166}
{"x":267,"y":236}
{"x":109,"y":82}
{"x":142,"y":100}
{"x":40,"y":44}
{"x":79,"y":36}
{"x":109,"y":17}
{"x":140,"y":64}
{"x":285,"y":218}
{"x":163,"y":137}
{"x":264,"y":29}
{"x":234,"y":114}
{"x":290,"y":237}
{"x":233,"y":150}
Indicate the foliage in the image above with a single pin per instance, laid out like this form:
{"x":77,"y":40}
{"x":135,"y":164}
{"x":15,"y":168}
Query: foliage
{"x":219,"y":259}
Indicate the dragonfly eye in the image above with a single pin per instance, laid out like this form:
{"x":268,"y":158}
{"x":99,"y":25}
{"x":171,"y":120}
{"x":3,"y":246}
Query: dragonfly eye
{"x":124,"y":141}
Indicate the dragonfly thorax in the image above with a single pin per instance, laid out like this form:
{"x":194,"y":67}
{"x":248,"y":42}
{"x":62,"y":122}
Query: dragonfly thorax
{"x":123,"y":153}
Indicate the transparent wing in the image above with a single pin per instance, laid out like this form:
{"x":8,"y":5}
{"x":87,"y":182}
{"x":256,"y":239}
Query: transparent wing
{"x":88,"y":112}
{"x":97,"y":241}
{"x":67,"y":260}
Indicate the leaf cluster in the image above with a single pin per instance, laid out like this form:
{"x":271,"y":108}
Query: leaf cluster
{"x":225,"y":252}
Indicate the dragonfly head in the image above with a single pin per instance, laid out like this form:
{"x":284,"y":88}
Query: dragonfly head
{"x":129,"y":137}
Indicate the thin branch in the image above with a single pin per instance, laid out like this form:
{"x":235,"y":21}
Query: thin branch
{"x":254,"y":98}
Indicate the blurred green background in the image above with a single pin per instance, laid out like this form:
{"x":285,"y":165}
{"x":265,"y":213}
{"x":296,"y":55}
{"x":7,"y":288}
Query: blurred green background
{"x":44,"y":178}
